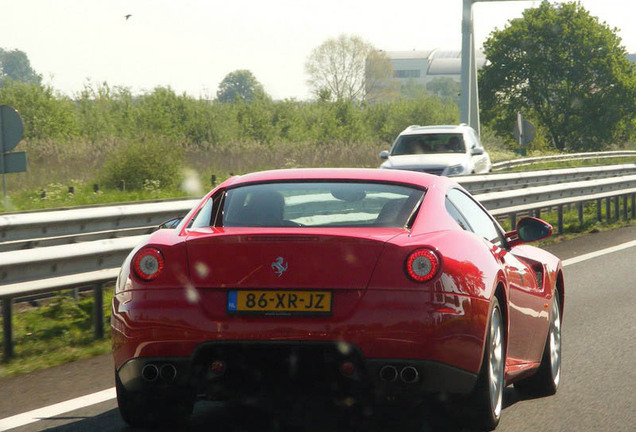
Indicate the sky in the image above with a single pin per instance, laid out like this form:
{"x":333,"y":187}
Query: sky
{"x":191,"y":45}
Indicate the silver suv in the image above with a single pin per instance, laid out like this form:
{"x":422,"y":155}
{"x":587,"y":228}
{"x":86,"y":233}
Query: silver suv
{"x":441,"y":150}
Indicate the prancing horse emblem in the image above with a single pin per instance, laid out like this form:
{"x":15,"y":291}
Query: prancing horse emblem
{"x":279,"y":266}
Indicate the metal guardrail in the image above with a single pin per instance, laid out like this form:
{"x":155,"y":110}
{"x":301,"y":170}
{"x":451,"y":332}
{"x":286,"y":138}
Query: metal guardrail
{"x":538,"y":194}
{"x":20,"y":226}
{"x":477,"y":184}
{"x":46,"y":262}
{"x":571,"y":156}
{"x":55,"y":227}
{"x":15,"y":245}
{"x":53,"y":268}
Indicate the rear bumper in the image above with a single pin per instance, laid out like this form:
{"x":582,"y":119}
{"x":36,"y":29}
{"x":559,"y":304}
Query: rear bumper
{"x":276,"y":370}
{"x":438,"y":336}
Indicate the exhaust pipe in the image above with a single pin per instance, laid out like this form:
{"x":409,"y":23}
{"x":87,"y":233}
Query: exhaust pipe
{"x":388,"y":373}
{"x":150,"y":372}
{"x":168,"y":372}
{"x":409,"y":374}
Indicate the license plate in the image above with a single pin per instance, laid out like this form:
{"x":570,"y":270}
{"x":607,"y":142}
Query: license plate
{"x":279,"y":302}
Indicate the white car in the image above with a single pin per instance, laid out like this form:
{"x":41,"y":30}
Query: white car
{"x":440,"y":150}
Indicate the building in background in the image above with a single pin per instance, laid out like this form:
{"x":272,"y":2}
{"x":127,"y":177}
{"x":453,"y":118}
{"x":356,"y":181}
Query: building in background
{"x":425,"y":66}
{"x":438,"y":71}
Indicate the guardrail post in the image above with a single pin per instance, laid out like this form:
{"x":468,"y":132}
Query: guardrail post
{"x":579,"y":208}
{"x":599,"y":211}
{"x":513,"y":220}
{"x":608,"y":209}
{"x":625,"y":217}
{"x":633,"y":207}
{"x":7,"y":328}
{"x":560,"y":219}
{"x":98,"y":312}
{"x":617,"y":208}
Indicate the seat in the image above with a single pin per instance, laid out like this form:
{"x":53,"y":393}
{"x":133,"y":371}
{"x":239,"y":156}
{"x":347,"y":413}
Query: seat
{"x":455,"y":145}
{"x":388,"y":216}
{"x":266,"y":208}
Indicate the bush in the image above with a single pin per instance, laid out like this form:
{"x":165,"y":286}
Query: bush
{"x":142,"y":163}
{"x":44,"y":113}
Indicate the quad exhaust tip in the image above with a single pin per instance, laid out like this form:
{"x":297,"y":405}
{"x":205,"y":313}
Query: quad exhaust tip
{"x":408,"y":374}
{"x":388,"y":373}
{"x":168,"y":372}
{"x":151,"y":372}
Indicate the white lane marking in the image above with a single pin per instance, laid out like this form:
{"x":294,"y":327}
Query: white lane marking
{"x":57,"y":409}
{"x":601,"y":252}
{"x":108,"y":394}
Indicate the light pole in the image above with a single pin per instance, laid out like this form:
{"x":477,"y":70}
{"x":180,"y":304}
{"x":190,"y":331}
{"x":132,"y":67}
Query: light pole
{"x":469,"y":102}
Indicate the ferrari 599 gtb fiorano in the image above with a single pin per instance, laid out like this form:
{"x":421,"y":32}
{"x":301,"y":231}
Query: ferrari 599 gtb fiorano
{"x":356,"y":287}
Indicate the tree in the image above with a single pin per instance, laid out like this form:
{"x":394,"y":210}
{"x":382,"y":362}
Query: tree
{"x":565,"y":70}
{"x":15,"y":65}
{"x":379,"y":82}
{"x":347,"y":68}
{"x":240,"y":86}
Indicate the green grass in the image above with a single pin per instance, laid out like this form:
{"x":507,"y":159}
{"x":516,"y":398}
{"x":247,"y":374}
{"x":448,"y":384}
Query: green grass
{"x":41,"y":188}
{"x":572,"y":164}
{"x":572,"y":227}
{"x":57,"y":331}
{"x":57,"y":195}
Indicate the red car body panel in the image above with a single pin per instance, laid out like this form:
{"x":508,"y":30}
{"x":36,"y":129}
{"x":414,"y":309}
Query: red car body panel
{"x":375,"y":306}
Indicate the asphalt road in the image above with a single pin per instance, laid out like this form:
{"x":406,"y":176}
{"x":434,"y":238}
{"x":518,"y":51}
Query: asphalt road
{"x":596,"y":393}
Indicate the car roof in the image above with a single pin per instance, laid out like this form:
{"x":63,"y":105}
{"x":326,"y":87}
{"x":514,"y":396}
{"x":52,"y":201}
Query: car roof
{"x":347,"y":174}
{"x":416,"y":129}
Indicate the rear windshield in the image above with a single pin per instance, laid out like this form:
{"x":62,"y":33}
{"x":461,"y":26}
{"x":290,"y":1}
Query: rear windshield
{"x":429,"y":144}
{"x":319,"y":204}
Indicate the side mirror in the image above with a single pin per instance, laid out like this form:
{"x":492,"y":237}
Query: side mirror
{"x":529,"y":229}
{"x":476,"y":151}
{"x":171,"y":223}
{"x":384,"y":154}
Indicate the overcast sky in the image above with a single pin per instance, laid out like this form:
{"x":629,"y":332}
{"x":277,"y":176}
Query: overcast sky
{"x":190,"y":45}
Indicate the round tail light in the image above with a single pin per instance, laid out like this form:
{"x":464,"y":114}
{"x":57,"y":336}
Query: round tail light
{"x":148,"y":263}
{"x":422,"y":265}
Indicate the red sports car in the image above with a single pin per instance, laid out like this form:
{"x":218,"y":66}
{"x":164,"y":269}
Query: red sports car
{"x":359,"y":286}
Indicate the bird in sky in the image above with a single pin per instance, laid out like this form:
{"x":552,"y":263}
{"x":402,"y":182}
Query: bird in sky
{"x":127,"y":16}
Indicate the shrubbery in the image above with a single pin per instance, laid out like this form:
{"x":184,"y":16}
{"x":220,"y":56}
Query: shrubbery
{"x":144,"y":164}
{"x":108,"y":135}
{"x":103,"y":113}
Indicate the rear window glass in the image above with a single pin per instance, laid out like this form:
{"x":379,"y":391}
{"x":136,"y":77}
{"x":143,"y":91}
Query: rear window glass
{"x":429,"y":144}
{"x":320,"y":204}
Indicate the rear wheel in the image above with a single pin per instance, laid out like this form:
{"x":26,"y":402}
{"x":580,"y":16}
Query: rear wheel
{"x":147,"y":410}
{"x":486,"y":400}
{"x":546,"y":381}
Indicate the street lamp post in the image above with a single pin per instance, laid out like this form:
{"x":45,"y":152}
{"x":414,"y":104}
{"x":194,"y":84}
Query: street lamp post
{"x":469,"y":102}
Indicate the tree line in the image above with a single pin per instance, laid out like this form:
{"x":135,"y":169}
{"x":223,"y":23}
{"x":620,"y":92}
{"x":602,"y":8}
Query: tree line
{"x":101,"y":112}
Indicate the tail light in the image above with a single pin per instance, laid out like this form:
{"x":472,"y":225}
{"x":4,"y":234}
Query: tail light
{"x":148,"y":263}
{"x":422,"y":265}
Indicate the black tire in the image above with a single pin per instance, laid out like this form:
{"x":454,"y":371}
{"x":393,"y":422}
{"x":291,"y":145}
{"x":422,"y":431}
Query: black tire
{"x":485,"y":403}
{"x":151,"y":410}
{"x":545,"y":381}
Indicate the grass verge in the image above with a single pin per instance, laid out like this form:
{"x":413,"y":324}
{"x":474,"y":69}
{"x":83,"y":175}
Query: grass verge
{"x":54,"y":331}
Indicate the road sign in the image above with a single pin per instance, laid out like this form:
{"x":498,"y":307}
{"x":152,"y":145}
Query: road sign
{"x":525,"y":131}
{"x":14,"y":162}
{"x":11,"y":128}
